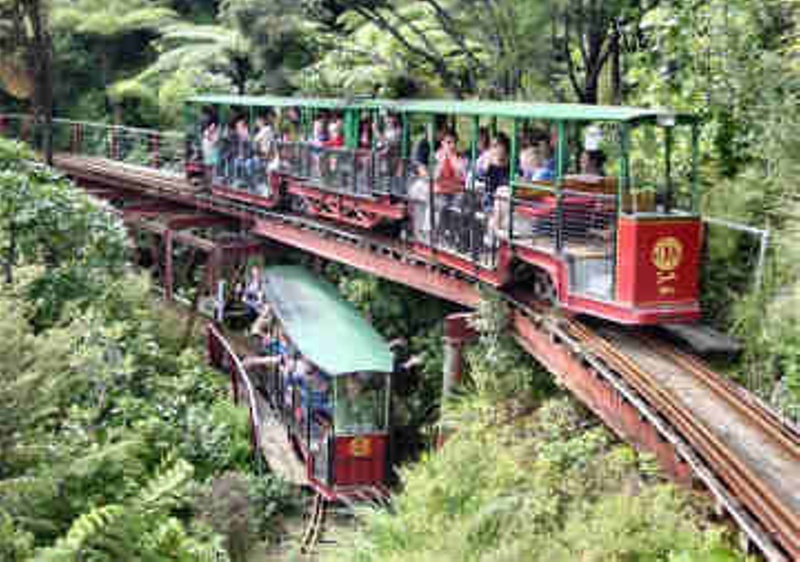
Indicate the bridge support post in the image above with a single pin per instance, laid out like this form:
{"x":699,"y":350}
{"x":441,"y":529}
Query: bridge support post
{"x":457,"y":333}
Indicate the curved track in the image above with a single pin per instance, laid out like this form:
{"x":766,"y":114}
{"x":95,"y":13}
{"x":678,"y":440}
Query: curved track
{"x":753,"y":453}
{"x":742,"y":453}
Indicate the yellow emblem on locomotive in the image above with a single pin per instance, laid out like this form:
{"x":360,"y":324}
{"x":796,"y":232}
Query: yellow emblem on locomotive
{"x":667,"y":253}
{"x":361,"y":447}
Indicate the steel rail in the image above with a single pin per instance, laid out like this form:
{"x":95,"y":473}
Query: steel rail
{"x":764,"y":503}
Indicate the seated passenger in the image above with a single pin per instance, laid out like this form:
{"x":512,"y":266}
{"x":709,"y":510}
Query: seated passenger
{"x":496,"y":173}
{"x":365,"y":134}
{"x":593,"y":163}
{"x":265,"y":135}
{"x":537,"y":164}
{"x":392,"y":133}
{"x":388,"y":142}
{"x":210,"y":149}
{"x":319,"y":131}
{"x":484,"y":152}
{"x":253,"y":296}
{"x":335,"y":134}
{"x":422,"y":149}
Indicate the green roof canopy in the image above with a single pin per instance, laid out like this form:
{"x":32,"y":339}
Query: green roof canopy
{"x":270,"y":101}
{"x":477,"y":108}
{"x":328,"y":331}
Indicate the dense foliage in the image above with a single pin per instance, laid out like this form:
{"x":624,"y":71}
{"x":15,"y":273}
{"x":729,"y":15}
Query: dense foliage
{"x":113,"y":437}
{"x":550,"y":486}
{"x":733,"y":62}
{"x":105,"y":424}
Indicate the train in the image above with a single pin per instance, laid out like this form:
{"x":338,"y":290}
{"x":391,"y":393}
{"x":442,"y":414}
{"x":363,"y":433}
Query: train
{"x":332,"y":400}
{"x":593,"y":209}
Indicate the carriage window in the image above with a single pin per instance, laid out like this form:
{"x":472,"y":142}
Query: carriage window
{"x":360,"y":405}
{"x":660,"y":168}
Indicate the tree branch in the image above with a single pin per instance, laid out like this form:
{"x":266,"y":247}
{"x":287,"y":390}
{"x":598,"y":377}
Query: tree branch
{"x":449,"y":26}
{"x":438,"y":63}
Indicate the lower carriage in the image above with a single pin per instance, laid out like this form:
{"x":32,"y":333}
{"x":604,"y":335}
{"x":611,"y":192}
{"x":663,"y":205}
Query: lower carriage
{"x":334,"y":403}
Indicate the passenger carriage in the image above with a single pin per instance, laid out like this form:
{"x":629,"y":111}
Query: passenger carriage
{"x":331,"y":383}
{"x":622,"y":244}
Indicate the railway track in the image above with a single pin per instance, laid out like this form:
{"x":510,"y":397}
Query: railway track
{"x":761,"y":500}
{"x":768,"y":498}
{"x":314,"y":524}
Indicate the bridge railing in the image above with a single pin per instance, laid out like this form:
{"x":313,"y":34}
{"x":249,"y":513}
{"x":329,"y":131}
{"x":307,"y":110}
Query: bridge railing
{"x":161,"y":150}
{"x":222,"y":357}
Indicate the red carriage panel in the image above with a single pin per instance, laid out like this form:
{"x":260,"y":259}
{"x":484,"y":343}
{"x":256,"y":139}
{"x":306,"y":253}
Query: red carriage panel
{"x":360,"y":460}
{"x":658,"y":261}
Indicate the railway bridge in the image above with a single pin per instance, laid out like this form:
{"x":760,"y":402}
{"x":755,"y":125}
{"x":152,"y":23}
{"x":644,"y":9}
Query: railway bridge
{"x":704,"y":430}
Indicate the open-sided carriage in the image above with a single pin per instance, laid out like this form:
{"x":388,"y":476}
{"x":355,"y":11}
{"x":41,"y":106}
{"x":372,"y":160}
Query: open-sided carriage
{"x":325,"y":375}
{"x":594,"y":209}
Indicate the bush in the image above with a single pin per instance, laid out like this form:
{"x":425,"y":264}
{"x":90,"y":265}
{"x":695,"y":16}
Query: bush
{"x":549,"y":487}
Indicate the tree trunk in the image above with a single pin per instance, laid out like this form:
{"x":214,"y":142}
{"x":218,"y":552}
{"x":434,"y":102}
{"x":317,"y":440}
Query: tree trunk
{"x":40,"y":53}
{"x":11,"y":257}
{"x":592,"y":86}
{"x":616,"y":70}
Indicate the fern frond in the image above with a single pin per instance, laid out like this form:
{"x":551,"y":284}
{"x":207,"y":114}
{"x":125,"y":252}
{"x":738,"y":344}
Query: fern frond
{"x":167,"y":487}
{"x":88,"y":527}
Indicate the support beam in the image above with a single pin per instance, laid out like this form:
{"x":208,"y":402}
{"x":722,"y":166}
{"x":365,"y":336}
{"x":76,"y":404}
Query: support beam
{"x":168,"y":273}
{"x":194,"y":220}
{"x":457,"y":333}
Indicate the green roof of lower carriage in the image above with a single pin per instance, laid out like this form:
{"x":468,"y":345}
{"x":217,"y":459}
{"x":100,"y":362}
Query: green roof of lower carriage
{"x":328,"y":331}
{"x":478,"y":108}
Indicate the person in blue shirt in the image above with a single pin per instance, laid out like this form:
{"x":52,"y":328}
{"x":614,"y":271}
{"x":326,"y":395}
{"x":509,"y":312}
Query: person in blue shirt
{"x":537,"y":164}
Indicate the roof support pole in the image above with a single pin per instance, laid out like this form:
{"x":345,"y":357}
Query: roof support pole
{"x":432,"y":238}
{"x":168,"y":269}
{"x":561,"y":148}
{"x":473,"y":150}
{"x":669,"y":196}
{"x":695,"y":157}
{"x":512,"y":177}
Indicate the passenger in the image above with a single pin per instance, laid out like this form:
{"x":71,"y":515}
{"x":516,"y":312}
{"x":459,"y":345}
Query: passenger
{"x":265,"y":135}
{"x":497,"y":169}
{"x":253,"y":296}
{"x":388,"y":142}
{"x":319,"y":395}
{"x":422,"y":149}
{"x":290,"y":125}
{"x":537,"y":163}
{"x":319,"y":136}
{"x":210,"y":148}
{"x":365,"y":134}
{"x":335,"y":134}
{"x":593,"y":163}
{"x":319,"y":131}
{"x":449,"y":177}
{"x":241,"y":152}
{"x":484,"y":152}
{"x":419,"y":199}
